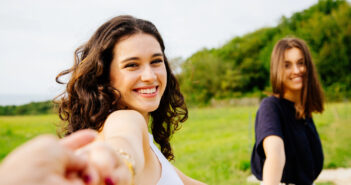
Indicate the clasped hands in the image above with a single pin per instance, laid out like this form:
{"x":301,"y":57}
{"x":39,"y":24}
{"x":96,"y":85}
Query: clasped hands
{"x":73,"y":160}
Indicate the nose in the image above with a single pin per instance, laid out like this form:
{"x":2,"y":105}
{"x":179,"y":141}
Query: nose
{"x":148,"y":74}
{"x":296,"y":69}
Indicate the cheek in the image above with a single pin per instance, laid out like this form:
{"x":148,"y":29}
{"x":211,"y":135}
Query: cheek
{"x":119,"y":81}
{"x":163,"y":76}
{"x":285,"y":75}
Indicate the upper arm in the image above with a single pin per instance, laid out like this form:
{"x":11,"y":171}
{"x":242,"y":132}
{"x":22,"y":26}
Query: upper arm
{"x":127,"y":130}
{"x":268,"y":123}
{"x":273,"y":147}
{"x":187,"y":180}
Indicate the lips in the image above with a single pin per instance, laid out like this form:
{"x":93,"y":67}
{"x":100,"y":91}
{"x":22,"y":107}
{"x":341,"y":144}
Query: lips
{"x":147,"y":91}
{"x":150,"y":91}
{"x":297,"y":79}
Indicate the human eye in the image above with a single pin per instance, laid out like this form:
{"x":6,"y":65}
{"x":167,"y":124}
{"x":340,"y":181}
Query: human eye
{"x":287,"y":65}
{"x":156,"y":61}
{"x":131,"y":65}
{"x":301,"y":63}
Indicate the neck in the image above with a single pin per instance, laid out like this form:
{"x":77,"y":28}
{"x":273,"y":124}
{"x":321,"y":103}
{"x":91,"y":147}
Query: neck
{"x":294,"y":96}
{"x":146,"y":117}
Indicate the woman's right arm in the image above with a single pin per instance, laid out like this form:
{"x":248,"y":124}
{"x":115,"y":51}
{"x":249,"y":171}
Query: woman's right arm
{"x":273,"y":147}
{"x":126,"y":131}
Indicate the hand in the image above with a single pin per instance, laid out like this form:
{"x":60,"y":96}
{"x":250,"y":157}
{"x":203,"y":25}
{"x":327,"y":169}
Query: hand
{"x":46,"y":160}
{"x":105,"y":165}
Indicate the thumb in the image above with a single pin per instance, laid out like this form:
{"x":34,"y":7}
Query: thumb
{"x":78,"y":139}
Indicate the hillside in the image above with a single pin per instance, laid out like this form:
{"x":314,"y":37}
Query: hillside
{"x":241,"y":66}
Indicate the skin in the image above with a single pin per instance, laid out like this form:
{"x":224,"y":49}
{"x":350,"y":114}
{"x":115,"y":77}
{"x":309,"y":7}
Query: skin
{"x":138,"y":72}
{"x":138,"y":66}
{"x":46,"y":160}
{"x":275,"y":160}
{"x":294,"y":73}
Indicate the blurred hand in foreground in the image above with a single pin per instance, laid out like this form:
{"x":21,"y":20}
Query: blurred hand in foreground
{"x":105,"y":165}
{"x":47,"y":160}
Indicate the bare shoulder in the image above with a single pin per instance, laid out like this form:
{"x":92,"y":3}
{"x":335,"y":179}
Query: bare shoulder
{"x":122,"y":116}
{"x":125,"y":120}
{"x":126,"y":114}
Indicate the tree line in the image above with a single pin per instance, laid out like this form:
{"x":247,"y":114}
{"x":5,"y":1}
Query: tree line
{"x":240,"y":68}
{"x":32,"y":108}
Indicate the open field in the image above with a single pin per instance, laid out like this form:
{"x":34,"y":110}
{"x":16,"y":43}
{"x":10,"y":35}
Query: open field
{"x":215,"y":144}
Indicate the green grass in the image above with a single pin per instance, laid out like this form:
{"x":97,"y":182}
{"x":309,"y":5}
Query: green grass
{"x":215,"y":144}
{"x":15,"y":130}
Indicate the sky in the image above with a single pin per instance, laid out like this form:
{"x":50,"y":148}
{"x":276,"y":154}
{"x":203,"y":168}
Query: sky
{"x":38,"y":37}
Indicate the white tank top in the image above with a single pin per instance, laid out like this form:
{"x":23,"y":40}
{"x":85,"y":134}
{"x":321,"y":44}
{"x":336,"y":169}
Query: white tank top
{"x":168,"y":174}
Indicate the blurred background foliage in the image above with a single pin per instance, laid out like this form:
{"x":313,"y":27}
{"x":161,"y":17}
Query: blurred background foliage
{"x":240,"y":68}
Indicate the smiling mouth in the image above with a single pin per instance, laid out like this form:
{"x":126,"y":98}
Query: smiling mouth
{"x":147,"y":91}
{"x":297,"y":78}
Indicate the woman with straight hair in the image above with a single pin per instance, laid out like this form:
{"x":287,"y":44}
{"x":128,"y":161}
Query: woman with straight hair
{"x":288,"y":149}
{"x":121,"y":85}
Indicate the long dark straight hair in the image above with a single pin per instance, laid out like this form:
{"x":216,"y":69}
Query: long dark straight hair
{"x":311,"y":95}
{"x":89,"y":97}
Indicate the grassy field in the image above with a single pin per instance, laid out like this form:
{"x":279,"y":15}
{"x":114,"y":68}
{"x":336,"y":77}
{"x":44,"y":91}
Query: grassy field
{"x":215,"y":144}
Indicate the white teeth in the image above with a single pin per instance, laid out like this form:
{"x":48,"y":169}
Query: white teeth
{"x":147,"y":91}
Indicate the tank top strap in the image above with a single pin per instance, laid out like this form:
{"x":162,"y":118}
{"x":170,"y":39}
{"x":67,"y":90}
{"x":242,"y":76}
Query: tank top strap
{"x":168,"y":174}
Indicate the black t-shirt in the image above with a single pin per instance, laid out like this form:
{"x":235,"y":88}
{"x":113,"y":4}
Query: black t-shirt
{"x":303,"y":149}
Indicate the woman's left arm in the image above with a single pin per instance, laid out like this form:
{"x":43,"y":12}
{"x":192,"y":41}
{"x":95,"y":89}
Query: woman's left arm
{"x":187,"y":180}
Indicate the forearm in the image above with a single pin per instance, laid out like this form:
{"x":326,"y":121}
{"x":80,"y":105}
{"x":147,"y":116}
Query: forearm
{"x":273,"y":171}
{"x":126,"y":132}
{"x":275,"y":160}
{"x":123,"y":145}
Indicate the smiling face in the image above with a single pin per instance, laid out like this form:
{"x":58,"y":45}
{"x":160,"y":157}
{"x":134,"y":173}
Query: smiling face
{"x":294,"y":71}
{"x":138,"y":71}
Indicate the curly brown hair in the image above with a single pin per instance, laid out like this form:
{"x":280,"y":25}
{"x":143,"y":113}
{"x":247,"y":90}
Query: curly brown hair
{"x":89,"y":97}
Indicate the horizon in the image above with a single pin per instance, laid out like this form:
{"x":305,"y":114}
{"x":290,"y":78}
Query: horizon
{"x":46,"y":38}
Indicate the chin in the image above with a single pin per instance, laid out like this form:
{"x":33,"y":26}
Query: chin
{"x":298,"y":88}
{"x":148,"y":108}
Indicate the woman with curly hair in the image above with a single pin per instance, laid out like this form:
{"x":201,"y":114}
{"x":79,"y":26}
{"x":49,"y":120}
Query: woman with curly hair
{"x":121,"y":85}
{"x":288,"y":149}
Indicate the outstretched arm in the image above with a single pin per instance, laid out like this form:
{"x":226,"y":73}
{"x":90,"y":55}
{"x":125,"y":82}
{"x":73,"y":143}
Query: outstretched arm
{"x":275,"y":160}
{"x":46,"y":160}
{"x":126,"y":131}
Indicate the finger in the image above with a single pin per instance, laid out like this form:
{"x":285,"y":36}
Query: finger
{"x":104,"y":161}
{"x":90,"y":175}
{"x":78,"y":139}
{"x":75,"y":181}
{"x":122,"y":175}
{"x":61,"y":180}
{"x":75,"y":163}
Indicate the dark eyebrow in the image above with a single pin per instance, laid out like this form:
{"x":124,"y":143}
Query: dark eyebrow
{"x":157,"y":55}
{"x":137,"y":58}
{"x":301,"y":59}
{"x":128,"y":59}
